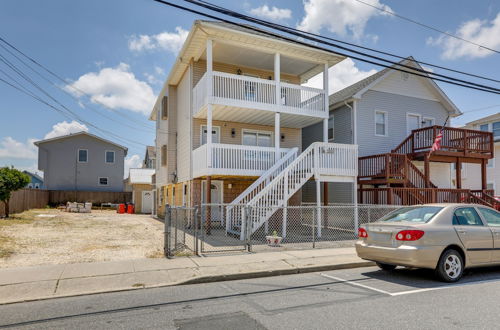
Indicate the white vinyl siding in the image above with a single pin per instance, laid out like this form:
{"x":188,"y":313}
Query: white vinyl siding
{"x":183,"y":128}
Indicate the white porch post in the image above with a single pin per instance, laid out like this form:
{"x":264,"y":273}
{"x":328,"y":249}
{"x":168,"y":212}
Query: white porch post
{"x":325,"y":88}
{"x":209,"y":104}
{"x":325,"y":130}
{"x":277,"y":135}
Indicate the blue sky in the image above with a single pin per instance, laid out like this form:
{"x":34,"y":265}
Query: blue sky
{"x":119,"y":52}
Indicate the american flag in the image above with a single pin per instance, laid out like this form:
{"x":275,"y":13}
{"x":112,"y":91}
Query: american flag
{"x":437,"y":142}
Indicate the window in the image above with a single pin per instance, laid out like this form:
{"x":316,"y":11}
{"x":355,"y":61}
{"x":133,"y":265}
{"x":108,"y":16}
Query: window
{"x":484,"y":127}
{"x":331,"y":133}
{"x":30,"y":185}
{"x":490,"y":186}
{"x":164,"y":108}
{"x":37,"y":186}
{"x":83,"y":155}
{"x":467,"y":216}
{"x":257,"y":138}
{"x":427,"y":122}
{"x":381,"y":123}
{"x":164,"y":155}
{"x":103,"y":181}
{"x":492,"y":217}
{"x":110,"y":157}
{"x":496,"y":129}
{"x":421,"y":214}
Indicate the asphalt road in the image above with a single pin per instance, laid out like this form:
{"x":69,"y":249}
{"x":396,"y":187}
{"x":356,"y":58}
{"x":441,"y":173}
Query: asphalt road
{"x":345,"y":299}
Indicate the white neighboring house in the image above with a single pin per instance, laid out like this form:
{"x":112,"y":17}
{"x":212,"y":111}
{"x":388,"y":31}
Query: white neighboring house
{"x":139,"y":182}
{"x":472,"y":173}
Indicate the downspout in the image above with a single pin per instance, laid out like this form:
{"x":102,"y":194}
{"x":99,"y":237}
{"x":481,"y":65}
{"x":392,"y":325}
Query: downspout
{"x":354,"y":121}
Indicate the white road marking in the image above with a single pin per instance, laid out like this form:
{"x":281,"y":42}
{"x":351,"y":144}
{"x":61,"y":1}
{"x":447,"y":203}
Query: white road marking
{"x":394,"y":294}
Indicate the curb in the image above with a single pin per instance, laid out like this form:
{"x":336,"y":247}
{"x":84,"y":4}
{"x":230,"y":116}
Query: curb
{"x":215,"y":278}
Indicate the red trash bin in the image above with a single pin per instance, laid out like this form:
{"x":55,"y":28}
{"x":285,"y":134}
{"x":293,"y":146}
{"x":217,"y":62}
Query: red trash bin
{"x":130,"y":209}
{"x":121,"y":208}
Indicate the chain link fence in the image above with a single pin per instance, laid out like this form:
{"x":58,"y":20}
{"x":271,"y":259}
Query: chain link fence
{"x":237,"y":227}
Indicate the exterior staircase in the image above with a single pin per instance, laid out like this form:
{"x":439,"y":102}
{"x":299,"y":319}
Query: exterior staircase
{"x":323,"y":161}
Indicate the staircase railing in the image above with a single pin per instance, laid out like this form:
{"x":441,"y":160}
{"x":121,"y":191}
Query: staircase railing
{"x":487,"y":197}
{"x":405,"y":147}
{"x":235,"y":216}
{"x":415,"y":177}
{"x":317,"y":160}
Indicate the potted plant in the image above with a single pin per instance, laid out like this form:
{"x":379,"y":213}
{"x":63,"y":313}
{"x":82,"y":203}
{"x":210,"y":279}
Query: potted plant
{"x":274,"y":239}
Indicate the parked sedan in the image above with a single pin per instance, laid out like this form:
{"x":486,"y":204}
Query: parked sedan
{"x":445,"y":237}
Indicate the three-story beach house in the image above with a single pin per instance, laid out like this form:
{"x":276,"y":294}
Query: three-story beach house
{"x":229,"y":123}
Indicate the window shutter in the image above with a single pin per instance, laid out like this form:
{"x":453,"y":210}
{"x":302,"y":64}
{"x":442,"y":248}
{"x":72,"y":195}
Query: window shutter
{"x":164,"y":155}
{"x":164,"y":108}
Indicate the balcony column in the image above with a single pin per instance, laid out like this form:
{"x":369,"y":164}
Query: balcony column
{"x":326,"y":198}
{"x":325,"y":88}
{"x":277,"y":135}
{"x":209,"y":103}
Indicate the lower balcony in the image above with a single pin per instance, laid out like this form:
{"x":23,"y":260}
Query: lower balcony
{"x":234,"y":160}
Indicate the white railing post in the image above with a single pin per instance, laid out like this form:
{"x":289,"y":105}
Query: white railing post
{"x":277,"y":155}
{"x":277,"y":80}
{"x":209,"y":102}
{"x":285,"y":204}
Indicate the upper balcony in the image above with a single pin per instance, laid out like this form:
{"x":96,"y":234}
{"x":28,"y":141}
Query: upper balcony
{"x":232,"y":94}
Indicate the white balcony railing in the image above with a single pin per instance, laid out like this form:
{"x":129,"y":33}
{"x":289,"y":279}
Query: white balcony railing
{"x":230,"y":159}
{"x":249,"y":92}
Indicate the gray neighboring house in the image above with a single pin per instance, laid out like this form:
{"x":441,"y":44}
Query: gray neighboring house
{"x":81,"y":161}
{"x":378,"y":113}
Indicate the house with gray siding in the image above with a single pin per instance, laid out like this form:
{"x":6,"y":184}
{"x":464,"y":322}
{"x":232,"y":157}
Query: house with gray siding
{"x":82,"y":162}
{"x":378,"y":113}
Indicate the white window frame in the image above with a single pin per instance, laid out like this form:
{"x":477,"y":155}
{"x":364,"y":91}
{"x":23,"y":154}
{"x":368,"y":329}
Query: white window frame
{"x":213,"y":128}
{"x":492,"y":183}
{"x":433,"y":120}
{"x":78,"y":156}
{"x":106,"y":156}
{"x":99,"y":181}
{"x":386,"y":123}
{"x":257,"y":131}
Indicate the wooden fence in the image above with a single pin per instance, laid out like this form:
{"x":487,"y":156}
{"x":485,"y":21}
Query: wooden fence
{"x":26,"y":199}
{"x":95,"y":197}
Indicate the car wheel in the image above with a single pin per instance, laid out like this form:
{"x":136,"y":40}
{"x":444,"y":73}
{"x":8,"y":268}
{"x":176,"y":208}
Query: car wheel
{"x":450,"y":267}
{"x":385,"y":266}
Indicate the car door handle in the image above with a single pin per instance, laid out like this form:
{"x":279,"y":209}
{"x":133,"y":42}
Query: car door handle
{"x":462,"y":231}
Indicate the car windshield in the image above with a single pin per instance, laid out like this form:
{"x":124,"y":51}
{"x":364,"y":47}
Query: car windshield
{"x":419,"y":214}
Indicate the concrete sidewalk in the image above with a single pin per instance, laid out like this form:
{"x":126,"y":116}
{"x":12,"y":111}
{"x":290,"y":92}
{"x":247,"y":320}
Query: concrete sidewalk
{"x":52,"y":281}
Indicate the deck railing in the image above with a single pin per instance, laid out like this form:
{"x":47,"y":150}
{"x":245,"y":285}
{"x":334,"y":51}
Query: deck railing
{"x":232,"y":159}
{"x":250,"y":92}
{"x":454,"y":140}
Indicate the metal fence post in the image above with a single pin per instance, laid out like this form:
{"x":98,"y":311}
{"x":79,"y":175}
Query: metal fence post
{"x":313,"y":222}
{"x":167,"y":230}
{"x":247,"y":227}
{"x":195,"y":224}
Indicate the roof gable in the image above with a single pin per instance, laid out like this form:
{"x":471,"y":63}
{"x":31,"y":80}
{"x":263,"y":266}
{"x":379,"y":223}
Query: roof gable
{"x":419,"y":87}
{"x":37,"y":143}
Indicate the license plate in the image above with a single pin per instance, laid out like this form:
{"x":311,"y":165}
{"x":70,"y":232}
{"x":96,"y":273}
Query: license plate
{"x":380,"y":237}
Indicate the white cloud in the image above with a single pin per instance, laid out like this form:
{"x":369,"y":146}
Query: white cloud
{"x":482,"y":32}
{"x":133,"y":161}
{"x":169,"y":41}
{"x":340,"y":76}
{"x":342,"y":17}
{"x":65,"y":128}
{"x":116,"y":88}
{"x":273,"y":13}
{"x":11,"y":148}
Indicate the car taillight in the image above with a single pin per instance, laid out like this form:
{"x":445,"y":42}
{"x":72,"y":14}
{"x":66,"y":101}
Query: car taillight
{"x":409,"y":235}
{"x":362,"y":233}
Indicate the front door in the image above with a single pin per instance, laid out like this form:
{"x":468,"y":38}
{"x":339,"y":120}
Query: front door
{"x":215,"y":134}
{"x":147,"y":202}
{"x":474,"y":235}
{"x":216,"y":199}
{"x":412,"y":122}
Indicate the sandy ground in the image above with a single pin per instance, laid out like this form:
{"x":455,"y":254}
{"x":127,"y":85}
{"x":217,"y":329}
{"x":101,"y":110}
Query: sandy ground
{"x":49,"y":236}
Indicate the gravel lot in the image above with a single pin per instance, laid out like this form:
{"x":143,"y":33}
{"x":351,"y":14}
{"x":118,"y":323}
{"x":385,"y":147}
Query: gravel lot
{"x":49,"y":236}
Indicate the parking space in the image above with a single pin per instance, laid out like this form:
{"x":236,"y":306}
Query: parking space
{"x":402,"y":281}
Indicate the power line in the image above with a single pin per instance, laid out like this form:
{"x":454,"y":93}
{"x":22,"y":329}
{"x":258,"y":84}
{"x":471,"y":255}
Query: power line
{"x":260,"y":21}
{"x":228,"y":12}
{"x":51,"y":72}
{"x":425,"y":75}
{"x":71,"y":113}
{"x":427,"y":26}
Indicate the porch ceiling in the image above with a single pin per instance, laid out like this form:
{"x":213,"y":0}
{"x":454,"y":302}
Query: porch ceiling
{"x":258,"y":117}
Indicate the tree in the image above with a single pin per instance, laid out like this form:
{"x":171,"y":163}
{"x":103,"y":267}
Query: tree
{"x":11,"y":180}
